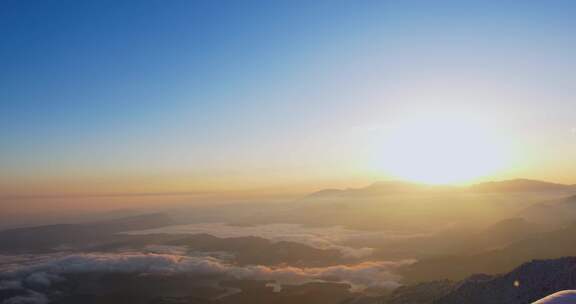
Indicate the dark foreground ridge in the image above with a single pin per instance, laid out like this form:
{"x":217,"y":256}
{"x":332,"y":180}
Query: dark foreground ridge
{"x":527,"y":283}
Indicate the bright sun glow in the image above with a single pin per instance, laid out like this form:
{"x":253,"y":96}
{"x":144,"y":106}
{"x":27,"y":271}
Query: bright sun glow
{"x":443,"y":151}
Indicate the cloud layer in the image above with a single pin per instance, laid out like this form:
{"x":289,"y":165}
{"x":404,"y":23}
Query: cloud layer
{"x":39,"y":274}
{"x":333,"y":237}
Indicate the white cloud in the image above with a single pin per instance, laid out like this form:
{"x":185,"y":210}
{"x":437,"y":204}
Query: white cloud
{"x":360,"y":275}
{"x":333,"y":237}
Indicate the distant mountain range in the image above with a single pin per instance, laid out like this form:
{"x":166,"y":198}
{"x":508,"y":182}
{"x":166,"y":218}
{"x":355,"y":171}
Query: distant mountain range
{"x":552,"y":213}
{"x":46,"y":238}
{"x":377,"y":188}
{"x":521,"y":185}
{"x":107,"y":236}
{"x":392,"y":187}
{"x":545,"y":245}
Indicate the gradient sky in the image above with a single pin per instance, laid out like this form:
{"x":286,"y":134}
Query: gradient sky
{"x":114,"y":96}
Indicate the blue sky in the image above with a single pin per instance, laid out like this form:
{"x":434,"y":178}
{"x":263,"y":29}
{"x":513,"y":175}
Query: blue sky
{"x":240,"y":91}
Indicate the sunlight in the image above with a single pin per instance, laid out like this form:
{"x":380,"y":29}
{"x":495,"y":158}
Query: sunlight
{"x":443,"y":150}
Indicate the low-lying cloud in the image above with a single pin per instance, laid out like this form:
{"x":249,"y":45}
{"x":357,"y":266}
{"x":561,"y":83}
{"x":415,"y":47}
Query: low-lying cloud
{"x":333,"y":237}
{"x":34,"y":277}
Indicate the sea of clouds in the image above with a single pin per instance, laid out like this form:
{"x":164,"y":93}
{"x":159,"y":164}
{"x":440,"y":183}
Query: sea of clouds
{"x":37,"y":273}
{"x":332,"y":237}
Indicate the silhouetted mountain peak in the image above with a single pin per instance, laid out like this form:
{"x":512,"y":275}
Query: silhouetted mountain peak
{"x":394,"y":186}
{"x":527,"y":283}
{"x":521,"y":185}
{"x":377,"y":188}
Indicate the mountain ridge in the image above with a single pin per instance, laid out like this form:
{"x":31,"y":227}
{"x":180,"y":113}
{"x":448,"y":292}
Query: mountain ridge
{"x":524,"y":284}
{"x":395,"y":186}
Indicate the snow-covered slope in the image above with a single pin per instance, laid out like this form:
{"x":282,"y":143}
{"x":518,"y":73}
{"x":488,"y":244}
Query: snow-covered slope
{"x":561,"y":297}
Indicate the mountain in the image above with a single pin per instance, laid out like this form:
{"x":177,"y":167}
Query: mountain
{"x":105,"y":236}
{"x":248,"y":250}
{"x":545,"y":245}
{"x":394,"y":187}
{"x":501,"y":234}
{"x":377,"y":189}
{"x":521,"y":185}
{"x":527,"y":283}
{"x":552,"y":213}
{"x":45,"y":238}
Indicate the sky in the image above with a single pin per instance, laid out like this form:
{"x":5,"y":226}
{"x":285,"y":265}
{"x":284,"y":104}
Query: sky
{"x":147,"y":96}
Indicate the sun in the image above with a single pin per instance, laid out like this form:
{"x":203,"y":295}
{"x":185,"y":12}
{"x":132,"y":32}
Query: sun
{"x":442,"y":151}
